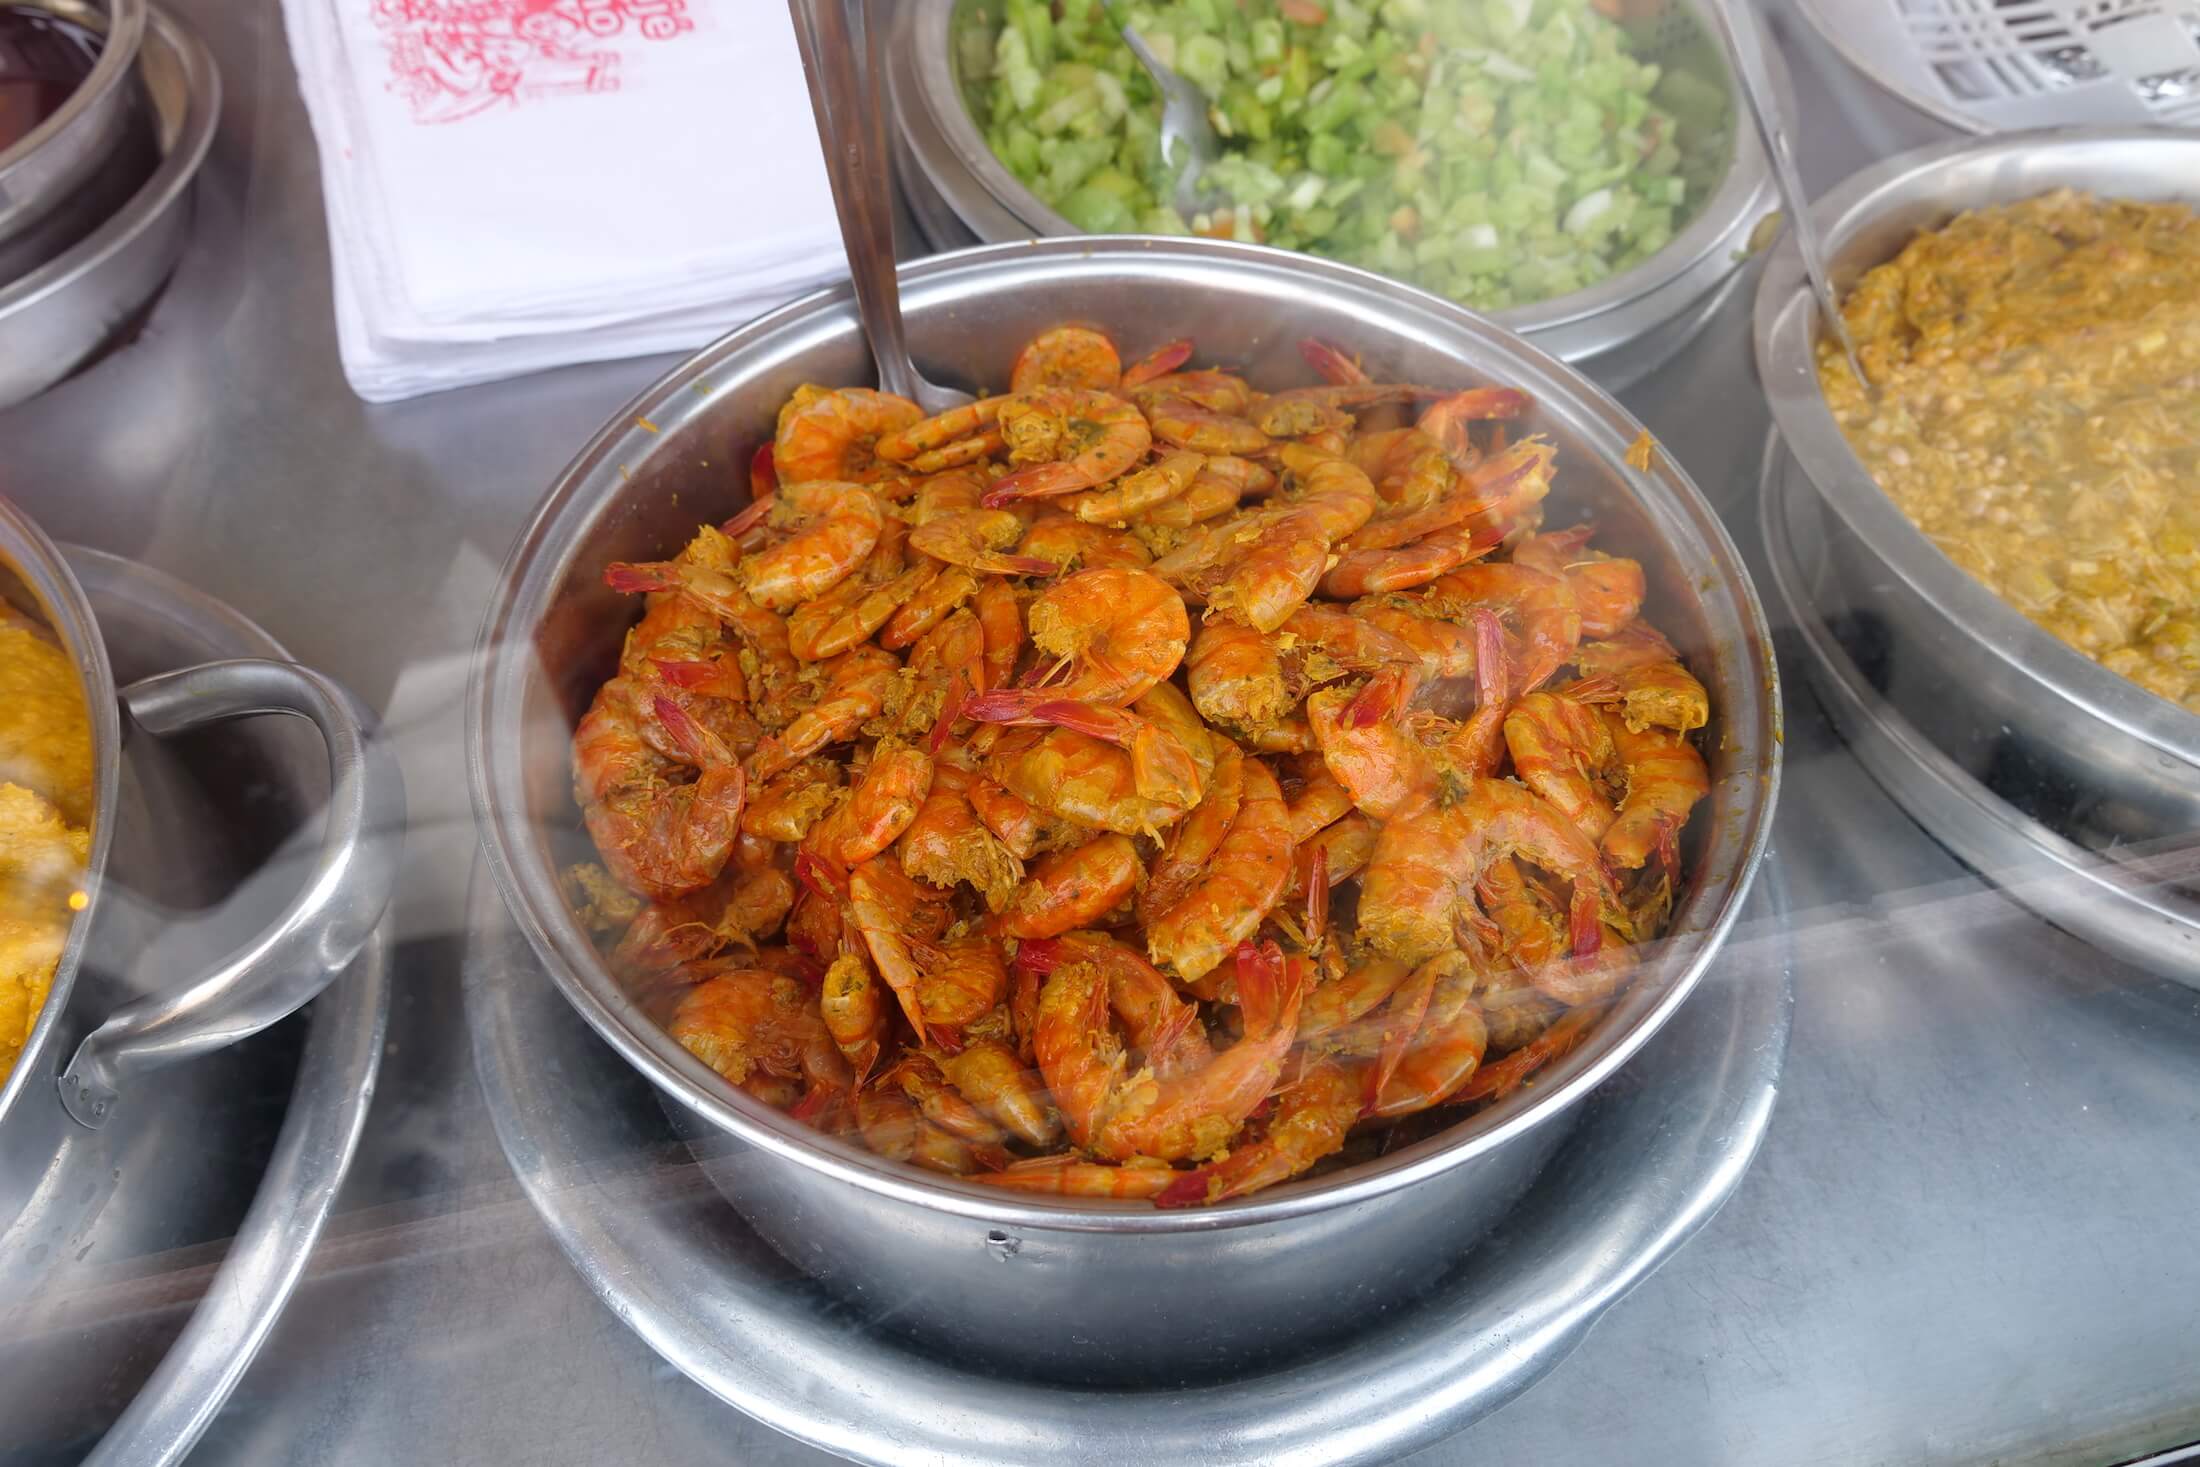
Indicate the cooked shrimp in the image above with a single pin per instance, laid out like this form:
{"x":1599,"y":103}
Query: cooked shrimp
{"x":1607,"y":589}
{"x":947,"y":844}
{"x":920,"y":1076}
{"x":1001,"y":630}
{"x":991,"y":1077}
{"x":1227,"y":901}
{"x":1444,"y":1051}
{"x":1137,"y":1179}
{"x":1531,"y":936}
{"x":1408,"y":468}
{"x":1539,"y":607}
{"x":878,"y":808}
{"x":944,"y":1152}
{"x":848,"y":614}
{"x":1164,"y":768}
{"x":1072,"y":544}
{"x":1343,"y":847}
{"x":1318,"y":802}
{"x":748,"y":1023}
{"x":1650,"y":695}
{"x":1182,"y":421}
{"x":1278,"y":571}
{"x":1115,"y":632}
{"x":1425,"y":864}
{"x":656,"y":837}
{"x":948,"y":440}
{"x":1378,"y":762}
{"x":1191,"y":848}
{"x":1445,"y":648}
{"x":1488,"y":496}
{"x":1159,"y":362}
{"x":978,"y":540}
{"x":1076,"y":777}
{"x":931,"y":601}
{"x":1365,"y":572}
{"x":1158,"y":482}
{"x":1501,"y":1078}
{"x":1665,"y":777}
{"x":854,"y":693}
{"x":833,"y":435}
{"x":1332,"y":1008}
{"x":1332,"y":362}
{"x":1446,"y":419}
{"x":1216,"y":391}
{"x":839,"y":523}
{"x":1068,"y":438}
{"x":1300,"y":411}
{"x":1311,"y":1121}
{"x":942,"y":986}
{"x":1236,"y":676}
{"x":854,"y":1013}
{"x":1067,"y":356}
{"x":1220,"y":483}
{"x":889,"y":1124}
{"x":1012,"y":820}
{"x":1074,"y":888}
{"x":1163,"y":1027}
{"x":1562,"y":750}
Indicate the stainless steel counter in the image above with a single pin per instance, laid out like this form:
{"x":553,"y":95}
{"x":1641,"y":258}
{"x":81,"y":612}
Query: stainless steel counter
{"x":1966,"y":1240}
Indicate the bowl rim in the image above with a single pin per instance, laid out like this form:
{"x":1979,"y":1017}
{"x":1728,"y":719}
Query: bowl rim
{"x":1745,"y":190}
{"x":1785,"y":331}
{"x":115,"y":64}
{"x":495,"y":717}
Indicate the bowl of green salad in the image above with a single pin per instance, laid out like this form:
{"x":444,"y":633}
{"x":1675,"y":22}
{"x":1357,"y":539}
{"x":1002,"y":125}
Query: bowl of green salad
{"x":1571,"y":168}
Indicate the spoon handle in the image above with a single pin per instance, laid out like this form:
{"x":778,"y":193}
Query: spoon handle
{"x":1737,"y":23}
{"x":851,"y":128}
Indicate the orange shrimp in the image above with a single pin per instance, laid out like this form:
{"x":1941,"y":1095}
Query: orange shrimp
{"x":1137,"y":1179}
{"x":1332,"y":1008}
{"x":1193,"y":845}
{"x":1220,"y":483}
{"x":1649,"y":695}
{"x":854,"y":1013}
{"x":1344,"y":848}
{"x":1001,"y":631}
{"x":1158,"y":482}
{"x":1665,"y":777}
{"x":838,"y":522}
{"x":1068,"y":438}
{"x":1217,"y":392}
{"x":749,"y":1023}
{"x":1164,"y":768}
{"x":944,"y":1152}
{"x":1312,"y":1118}
{"x":991,"y":1077}
{"x":854,"y":693}
{"x":878,"y":808}
{"x":979,"y":540}
{"x":1317,"y":802}
{"x":1332,"y":362}
{"x":1530,"y":935}
{"x":1069,"y":543}
{"x":941,"y":987}
{"x":1183,"y":421}
{"x":926,"y":605}
{"x":1365,"y":572}
{"x":1299,"y":411}
{"x":1116,"y":633}
{"x":1275,"y":575}
{"x":1073,"y":776}
{"x":1226,"y":902}
{"x":1012,"y":820}
{"x":656,"y":837}
{"x":1074,"y":888}
{"x":833,"y":434}
{"x":1425,"y":864}
{"x":1163,"y":1027}
{"x":1378,"y":762}
{"x":1539,"y":606}
{"x":1159,"y":362}
{"x":923,"y":1078}
{"x":889,"y":1124}
{"x":1236,"y":676}
{"x":1444,"y":1051}
{"x":1563,"y":751}
{"x":1446,"y":419}
{"x":1488,"y":496}
{"x":1067,"y":356}
{"x":951,"y":492}
{"x":848,"y":614}
{"x":947,"y":844}
{"x":1608,"y":590}
{"x":1445,"y":648}
{"x":1409,"y":468}
{"x":946,"y":441}
{"x":1501,"y":1078}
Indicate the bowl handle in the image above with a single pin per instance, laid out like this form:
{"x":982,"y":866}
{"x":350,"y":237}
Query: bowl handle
{"x":322,"y":929}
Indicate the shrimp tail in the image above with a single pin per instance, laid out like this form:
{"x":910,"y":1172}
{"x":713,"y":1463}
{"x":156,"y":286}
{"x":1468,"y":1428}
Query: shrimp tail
{"x":763,"y":473}
{"x":1332,"y":363}
{"x":753,"y":513}
{"x":1039,"y":954}
{"x":1188,"y":1190}
{"x":698,"y":743}
{"x":1036,"y":481}
{"x":820,"y":876}
{"x":634,"y":577}
{"x":1159,"y":362}
{"x":1317,"y":895}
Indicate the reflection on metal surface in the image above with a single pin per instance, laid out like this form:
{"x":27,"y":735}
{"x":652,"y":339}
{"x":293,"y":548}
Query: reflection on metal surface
{"x":1654,"y":1156}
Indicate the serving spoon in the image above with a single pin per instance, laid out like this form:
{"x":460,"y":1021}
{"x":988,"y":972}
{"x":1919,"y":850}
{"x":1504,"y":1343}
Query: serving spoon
{"x":1187,"y":128}
{"x":845,"y":95}
{"x":1737,"y":23}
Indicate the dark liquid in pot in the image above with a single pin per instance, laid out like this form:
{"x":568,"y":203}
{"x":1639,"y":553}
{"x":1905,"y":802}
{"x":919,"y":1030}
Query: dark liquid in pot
{"x":43,"y":58}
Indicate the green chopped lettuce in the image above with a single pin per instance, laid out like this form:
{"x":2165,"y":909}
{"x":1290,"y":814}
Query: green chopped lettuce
{"x":1498,"y":151}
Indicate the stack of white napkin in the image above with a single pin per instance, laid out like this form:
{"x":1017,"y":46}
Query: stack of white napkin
{"x":519,"y":184}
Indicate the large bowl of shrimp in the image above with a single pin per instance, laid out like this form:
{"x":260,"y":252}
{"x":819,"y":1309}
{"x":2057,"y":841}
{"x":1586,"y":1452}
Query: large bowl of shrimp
{"x":1135,"y":873}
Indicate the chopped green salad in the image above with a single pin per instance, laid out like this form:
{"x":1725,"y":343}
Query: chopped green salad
{"x":1499,"y":152}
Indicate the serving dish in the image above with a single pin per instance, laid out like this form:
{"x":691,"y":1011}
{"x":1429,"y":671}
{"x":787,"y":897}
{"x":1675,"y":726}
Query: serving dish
{"x":59,"y":315}
{"x":1616,"y":330}
{"x":83,"y":1061}
{"x":2068,"y":743}
{"x":1673,"y":1134}
{"x":965,"y":1266}
{"x":100,"y":1363}
{"x":62,"y":176}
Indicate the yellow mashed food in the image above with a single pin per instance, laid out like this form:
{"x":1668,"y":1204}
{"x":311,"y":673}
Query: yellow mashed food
{"x":2038,"y":416}
{"x":45,"y":801}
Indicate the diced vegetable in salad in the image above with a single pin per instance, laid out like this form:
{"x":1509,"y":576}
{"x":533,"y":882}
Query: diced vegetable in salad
{"x":1500,"y":152}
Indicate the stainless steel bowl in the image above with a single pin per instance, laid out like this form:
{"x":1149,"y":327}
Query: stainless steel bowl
{"x":1090,"y":1290}
{"x":2067,"y":742}
{"x":57,"y":180}
{"x":1617,"y":330}
{"x":63,"y":313}
{"x":78,"y":1067}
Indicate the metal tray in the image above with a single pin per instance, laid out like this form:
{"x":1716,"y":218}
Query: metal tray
{"x":95,"y":1366}
{"x":2128,"y":905}
{"x":1656,"y":1152}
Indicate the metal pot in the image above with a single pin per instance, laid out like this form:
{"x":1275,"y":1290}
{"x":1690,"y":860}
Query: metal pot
{"x":74,"y":168}
{"x":1617,"y":330}
{"x":79,"y":1067}
{"x":1086,"y":1290}
{"x":2067,"y":742}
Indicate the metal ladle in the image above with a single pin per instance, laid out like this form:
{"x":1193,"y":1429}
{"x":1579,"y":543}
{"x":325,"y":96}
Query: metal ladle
{"x":1737,"y":23}
{"x":851,"y":128}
